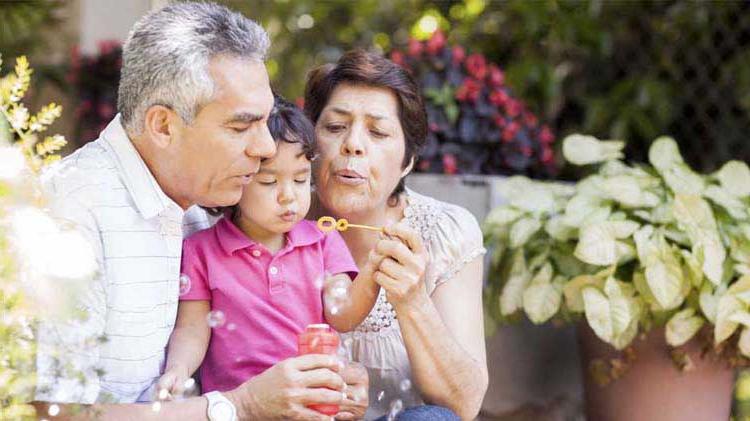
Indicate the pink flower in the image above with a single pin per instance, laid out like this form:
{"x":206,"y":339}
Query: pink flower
{"x":510,"y":131}
{"x":513,"y":108}
{"x":458,"y":53}
{"x":498,"y":97}
{"x":436,"y":42}
{"x":434,"y":127}
{"x":530,"y":119}
{"x":499,"y":121}
{"x":496,"y":77}
{"x":526,"y":151}
{"x":398,"y":57}
{"x":415,"y":48}
{"x":469,"y":90}
{"x":450,"y":165}
{"x":546,"y":136}
{"x":547,"y":155}
{"x":300,"y":101}
{"x":476,"y":65}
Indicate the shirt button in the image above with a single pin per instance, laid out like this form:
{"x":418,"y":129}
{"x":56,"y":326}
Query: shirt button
{"x":274,"y":270}
{"x":256,"y":253}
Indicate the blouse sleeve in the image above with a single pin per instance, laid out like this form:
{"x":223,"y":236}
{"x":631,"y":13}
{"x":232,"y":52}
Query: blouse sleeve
{"x":455,"y":240}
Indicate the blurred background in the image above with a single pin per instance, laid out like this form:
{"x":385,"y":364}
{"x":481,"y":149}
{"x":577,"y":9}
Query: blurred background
{"x":503,"y":81}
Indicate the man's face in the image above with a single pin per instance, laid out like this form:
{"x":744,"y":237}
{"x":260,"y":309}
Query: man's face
{"x":220,"y":151}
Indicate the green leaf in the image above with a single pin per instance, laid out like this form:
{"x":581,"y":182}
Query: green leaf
{"x":665,"y":157}
{"x":725,"y":327}
{"x":573,"y":291}
{"x":627,"y":191}
{"x":744,"y":342}
{"x":695,"y":214}
{"x":559,"y":230}
{"x":709,"y":302}
{"x":583,"y":150}
{"x":663,"y":270}
{"x":730,"y":203}
{"x":598,"y":245}
{"x":522,"y":230}
{"x":584,"y":209}
{"x":597,"y":311}
{"x":541,"y":301}
{"x":741,"y":317}
{"x":683,"y":326}
{"x":734,"y":177}
{"x":511,"y":298}
{"x":502,"y":215}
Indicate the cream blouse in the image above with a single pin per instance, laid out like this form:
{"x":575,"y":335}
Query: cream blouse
{"x":453,"y":238}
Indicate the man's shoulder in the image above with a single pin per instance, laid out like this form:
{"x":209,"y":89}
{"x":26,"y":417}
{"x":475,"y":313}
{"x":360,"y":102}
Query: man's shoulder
{"x":87,"y":172}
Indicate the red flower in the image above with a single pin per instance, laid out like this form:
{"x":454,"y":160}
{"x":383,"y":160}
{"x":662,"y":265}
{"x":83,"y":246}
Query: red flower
{"x":513,"y":108}
{"x":398,"y":57}
{"x":530,"y":119}
{"x":458,"y":54}
{"x":546,"y":136}
{"x":499,"y":121}
{"x":526,"y":150}
{"x":450,"y":165}
{"x":496,"y":77}
{"x":423,"y":165}
{"x":434,"y":127}
{"x":436,"y":42}
{"x":300,"y":101}
{"x":476,"y":65}
{"x":498,"y":97}
{"x":415,"y":47}
{"x":106,"y":110}
{"x":547,"y":155}
{"x":510,"y":131}
{"x":469,"y":90}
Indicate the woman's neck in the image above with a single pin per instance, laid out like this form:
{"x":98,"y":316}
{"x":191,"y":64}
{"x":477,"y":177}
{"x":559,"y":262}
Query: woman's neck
{"x":271,"y":240}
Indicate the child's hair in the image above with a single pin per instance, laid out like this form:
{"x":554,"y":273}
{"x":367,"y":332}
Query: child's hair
{"x":287,"y":123}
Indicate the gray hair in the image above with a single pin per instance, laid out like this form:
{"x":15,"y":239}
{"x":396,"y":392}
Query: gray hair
{"x":166,"y":57}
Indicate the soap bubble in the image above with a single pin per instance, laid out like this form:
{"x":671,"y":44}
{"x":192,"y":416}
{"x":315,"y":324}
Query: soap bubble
{"x":396,"y":407}
{"x":185,"y":284}
{"x":216,"y":319}
{"x":405,"y":385}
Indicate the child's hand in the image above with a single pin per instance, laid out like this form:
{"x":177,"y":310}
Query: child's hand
{"x":172,"y":383}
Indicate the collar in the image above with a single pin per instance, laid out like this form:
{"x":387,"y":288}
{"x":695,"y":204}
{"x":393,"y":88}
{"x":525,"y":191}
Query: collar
{"x":148,"y":196}
{"x":231,"y":238}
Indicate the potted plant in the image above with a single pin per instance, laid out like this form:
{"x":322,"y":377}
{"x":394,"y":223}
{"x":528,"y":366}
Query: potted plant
{"x":652,"y":261}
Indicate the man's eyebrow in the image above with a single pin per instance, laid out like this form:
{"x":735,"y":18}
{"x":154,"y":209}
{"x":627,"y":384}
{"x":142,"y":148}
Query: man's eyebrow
{"x":245,"y":118}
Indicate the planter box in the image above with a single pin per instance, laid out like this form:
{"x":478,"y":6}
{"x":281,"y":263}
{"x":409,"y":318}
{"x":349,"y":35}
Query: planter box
{"x":532,"y":368}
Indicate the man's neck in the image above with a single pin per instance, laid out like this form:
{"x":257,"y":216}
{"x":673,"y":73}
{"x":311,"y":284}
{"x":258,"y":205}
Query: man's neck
{"x":161,"y":173}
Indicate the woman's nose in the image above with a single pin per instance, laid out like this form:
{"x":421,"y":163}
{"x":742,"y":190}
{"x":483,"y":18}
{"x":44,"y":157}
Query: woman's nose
{"x":354,"y":144}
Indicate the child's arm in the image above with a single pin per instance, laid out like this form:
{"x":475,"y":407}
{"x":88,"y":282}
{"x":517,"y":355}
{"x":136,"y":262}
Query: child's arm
{"x":363,"y":293}
{"x":187,"y":345}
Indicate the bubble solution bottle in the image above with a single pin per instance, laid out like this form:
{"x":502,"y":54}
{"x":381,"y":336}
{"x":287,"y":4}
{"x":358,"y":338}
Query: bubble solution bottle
{"x":320,"y":339}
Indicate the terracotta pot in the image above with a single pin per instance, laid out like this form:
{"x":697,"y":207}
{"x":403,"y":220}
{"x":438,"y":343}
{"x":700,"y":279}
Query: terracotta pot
{"x":652,"y":388}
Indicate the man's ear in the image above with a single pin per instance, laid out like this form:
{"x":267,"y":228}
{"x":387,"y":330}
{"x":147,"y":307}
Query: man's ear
{"x":159,"y":125}
{"x":408,"y":168}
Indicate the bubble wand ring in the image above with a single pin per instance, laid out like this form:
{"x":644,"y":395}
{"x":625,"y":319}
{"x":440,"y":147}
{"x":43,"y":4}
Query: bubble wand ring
{"x":329,"y":223}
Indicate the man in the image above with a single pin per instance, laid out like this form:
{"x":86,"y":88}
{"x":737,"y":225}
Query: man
{"x":194,"y":97}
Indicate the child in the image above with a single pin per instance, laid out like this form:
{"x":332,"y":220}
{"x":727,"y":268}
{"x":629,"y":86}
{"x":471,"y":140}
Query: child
{"x":257,"y":276}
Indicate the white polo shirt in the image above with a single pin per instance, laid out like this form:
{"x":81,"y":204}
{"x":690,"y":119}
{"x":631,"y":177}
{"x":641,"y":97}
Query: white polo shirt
{"x":136,"y":230}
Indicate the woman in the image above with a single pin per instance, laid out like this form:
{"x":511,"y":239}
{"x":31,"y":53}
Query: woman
{"x":424,"y":340}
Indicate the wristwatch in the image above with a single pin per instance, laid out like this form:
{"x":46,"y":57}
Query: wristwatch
{"x":220,"y":408}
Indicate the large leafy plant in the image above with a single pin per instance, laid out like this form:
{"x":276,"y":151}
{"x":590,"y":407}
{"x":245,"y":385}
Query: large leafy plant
{"x":628,"y":248}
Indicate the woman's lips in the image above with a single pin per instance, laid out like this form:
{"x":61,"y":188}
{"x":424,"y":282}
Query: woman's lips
{"x":349,"y":177}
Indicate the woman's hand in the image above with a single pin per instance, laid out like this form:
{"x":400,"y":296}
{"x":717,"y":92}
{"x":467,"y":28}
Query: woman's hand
{"x":357,"y":399}
{"x":401,"y":260}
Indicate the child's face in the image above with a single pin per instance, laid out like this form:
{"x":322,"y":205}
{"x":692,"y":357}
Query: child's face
{"x":279,"y":195}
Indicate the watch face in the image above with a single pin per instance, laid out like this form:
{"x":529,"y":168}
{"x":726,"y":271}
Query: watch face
{"x":222,"y":411}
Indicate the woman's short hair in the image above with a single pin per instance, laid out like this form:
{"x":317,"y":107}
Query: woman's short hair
{"x":359,"y":67}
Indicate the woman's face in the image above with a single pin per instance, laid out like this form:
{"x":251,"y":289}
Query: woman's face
{"x":361,"y":145}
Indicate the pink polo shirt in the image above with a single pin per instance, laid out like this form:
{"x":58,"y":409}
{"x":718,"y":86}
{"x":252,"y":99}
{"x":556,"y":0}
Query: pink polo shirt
{"x":267,"y":300}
